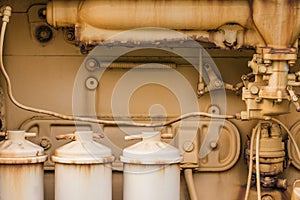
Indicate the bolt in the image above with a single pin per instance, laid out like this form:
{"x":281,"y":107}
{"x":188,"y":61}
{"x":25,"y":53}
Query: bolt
{"x":258,"y":99}
{"x":294,"y":98}
{"x":262,"y":69}
{"x":188,"y":146}
{"x":42,"y":13}
{"x":43,"y":34}
{"x":254,"y":89}
{"x":91,"y":83}
{"x":70,"y":35}
{"x":217,"y":84}
{"x":213,"y":145}
{"x":92,"y":64}
{"x":45,"y":143}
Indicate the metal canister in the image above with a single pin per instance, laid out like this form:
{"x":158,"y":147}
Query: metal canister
{"x":83,"y":169}
{"x":151,"y":169}
{"x":21,"y":168}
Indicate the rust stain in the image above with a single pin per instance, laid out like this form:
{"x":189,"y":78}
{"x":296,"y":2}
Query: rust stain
{"x":251,"y":20}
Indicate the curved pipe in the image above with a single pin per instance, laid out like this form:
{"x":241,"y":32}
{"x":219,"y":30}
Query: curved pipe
{"x":188,"y":175}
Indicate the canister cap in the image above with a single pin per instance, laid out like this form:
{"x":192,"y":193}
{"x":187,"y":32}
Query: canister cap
{"x":83,"y":150}
{"x":17,"y":150}
{"x":151,"y":150}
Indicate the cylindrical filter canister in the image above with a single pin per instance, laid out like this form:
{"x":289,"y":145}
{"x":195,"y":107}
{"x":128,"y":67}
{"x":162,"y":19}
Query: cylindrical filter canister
{"x":21,"y":168}
{"x":151,"y":169}
{"x":83,"y":169}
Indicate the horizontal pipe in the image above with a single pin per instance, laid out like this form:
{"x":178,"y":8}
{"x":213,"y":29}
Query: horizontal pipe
{"x":127,"y":14}
{"x":275,"y":23}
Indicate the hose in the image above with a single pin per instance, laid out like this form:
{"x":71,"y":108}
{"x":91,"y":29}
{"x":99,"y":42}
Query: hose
{"x":188,"y":175}
{"x":255,"y":131}
{"x":257,"y":165}
{"x":5,"y":19}
{"x":251,"y":160}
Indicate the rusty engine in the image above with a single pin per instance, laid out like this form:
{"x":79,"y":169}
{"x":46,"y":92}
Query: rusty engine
{"x":149,"y":99}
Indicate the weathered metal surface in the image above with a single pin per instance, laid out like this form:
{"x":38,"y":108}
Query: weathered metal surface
{"x":83,"y":169}
{"x":17,"y":150}
{"x":150,"y":182}
{"x":21,"y":168}
{"x":22,"y":181}
{"x":124,"y":15}
{"x":83,"y":181}
{"x":151,"y":169}
{"x":83,"y":150}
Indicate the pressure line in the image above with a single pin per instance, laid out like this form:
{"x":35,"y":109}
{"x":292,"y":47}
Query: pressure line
{"x":257,"y":167}
{"x":248,"y":185}
{"x":5,"y":19}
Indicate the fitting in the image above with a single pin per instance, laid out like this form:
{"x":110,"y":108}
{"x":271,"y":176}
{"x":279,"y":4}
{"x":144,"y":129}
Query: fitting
{"x":6,"y":13}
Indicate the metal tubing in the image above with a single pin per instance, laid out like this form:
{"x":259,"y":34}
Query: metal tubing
{"x":257,"y":167}
{"x":188,"y":175}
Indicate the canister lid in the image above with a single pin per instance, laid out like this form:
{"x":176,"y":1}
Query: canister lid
{"x":83,"y":150}
{"x":151,"y":150}
{"x":17,"y":150}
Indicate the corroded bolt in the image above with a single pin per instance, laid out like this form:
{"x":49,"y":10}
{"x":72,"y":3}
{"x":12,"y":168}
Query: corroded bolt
{"x":45,"y":143}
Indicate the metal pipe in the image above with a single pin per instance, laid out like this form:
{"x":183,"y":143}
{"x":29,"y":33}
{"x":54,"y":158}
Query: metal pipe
{"x":257,"y":167}
{"x":126,"y":14}
{"x":188,"y":175}
{"x":251,"y":160}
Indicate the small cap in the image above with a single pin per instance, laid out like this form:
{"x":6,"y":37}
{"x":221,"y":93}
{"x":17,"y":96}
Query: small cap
{"x":151,"y":150}
{"x":83,"y":151}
